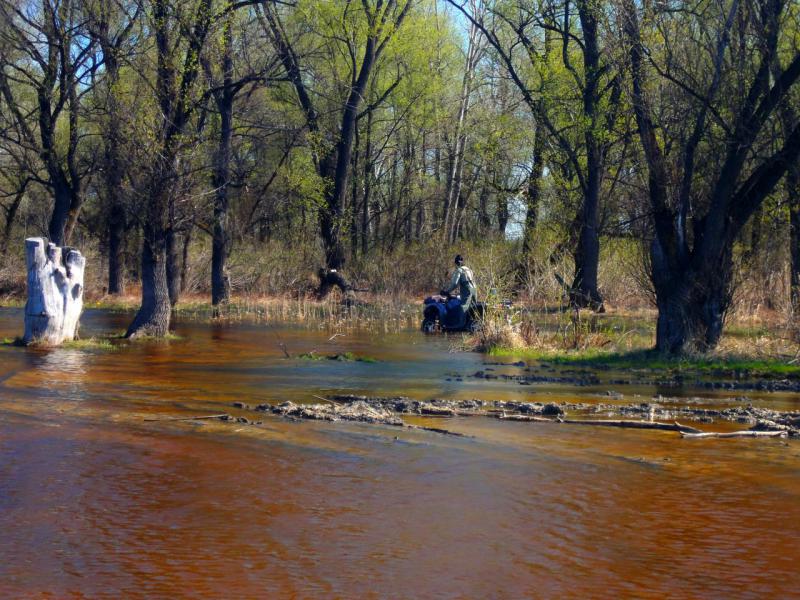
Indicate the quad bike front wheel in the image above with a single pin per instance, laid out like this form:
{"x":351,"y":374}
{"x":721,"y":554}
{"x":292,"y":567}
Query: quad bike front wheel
{"x":429,"y":325}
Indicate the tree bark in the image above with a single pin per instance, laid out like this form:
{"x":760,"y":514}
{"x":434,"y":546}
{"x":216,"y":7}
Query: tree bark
{"x":793,"y":197}
{"x":220,"y":242}
{"x":11,"y":215}
{"x":116,"y":233}
{"x":55,"y":292}
{"x":368,"y":174}
{"x":172,"y":267}
{"x":691,"y":304}
{"x":533,"y":197}
{"x":584,"y":290}
{"x":113,"y":168}
{"x":153,"y":316}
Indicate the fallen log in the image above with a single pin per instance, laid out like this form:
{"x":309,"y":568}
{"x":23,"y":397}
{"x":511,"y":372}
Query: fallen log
{"x":632,"y":424}
{"x":734,"y":434}
{"x":605,"y":423}
{"x":437,"y":430}
{"x":515,"y":417}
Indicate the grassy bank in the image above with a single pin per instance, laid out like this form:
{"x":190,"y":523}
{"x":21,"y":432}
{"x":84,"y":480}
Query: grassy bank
{"x":716,"y":364}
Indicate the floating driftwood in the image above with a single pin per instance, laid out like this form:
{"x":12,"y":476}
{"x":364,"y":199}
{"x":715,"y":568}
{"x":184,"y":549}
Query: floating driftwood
{"x":734,"y":434}
{"x":633,"y":424}
{"x":604,"y":423}
{"x":197,"y":418}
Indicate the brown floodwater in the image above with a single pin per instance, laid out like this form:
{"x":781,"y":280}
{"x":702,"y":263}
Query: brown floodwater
{"x":97,"y":502}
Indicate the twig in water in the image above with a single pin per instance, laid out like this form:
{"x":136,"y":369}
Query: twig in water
{"x":197,"y":418}
{"x":282,"y":346}
{"x":324,"y":399}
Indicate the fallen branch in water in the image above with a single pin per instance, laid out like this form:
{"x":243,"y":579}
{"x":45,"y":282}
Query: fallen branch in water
{"x":505,"y":417}
{"x":604,"y":423}
{"x":334,"y":402}
{"x":633,"y":424}
{"x":220,"y":416}
{"x":734,"y":434}
{"x":437,"y":430}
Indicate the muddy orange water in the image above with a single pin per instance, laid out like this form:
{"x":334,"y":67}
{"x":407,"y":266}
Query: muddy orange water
{"x":97,"y":502}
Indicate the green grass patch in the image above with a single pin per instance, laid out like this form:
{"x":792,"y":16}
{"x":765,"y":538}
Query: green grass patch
{"x":92,"y":343}
{"x":725,"y":366}
{"x":343,"y":357}
{"x":170,"y":337}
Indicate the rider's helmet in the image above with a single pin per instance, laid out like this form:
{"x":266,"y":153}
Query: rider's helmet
{"x":459,"y":260}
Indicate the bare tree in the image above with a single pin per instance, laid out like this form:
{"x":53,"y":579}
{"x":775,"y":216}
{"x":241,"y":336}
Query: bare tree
{"x":699,"y":213}
{"x":383,"y":19}
{"x":45,"y":53}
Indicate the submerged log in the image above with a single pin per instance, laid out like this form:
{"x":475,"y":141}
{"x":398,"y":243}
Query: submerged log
{"x":55,"y":292}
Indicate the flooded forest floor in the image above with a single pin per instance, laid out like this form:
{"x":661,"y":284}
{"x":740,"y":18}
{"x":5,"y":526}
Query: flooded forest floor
{"x":346,"y":454}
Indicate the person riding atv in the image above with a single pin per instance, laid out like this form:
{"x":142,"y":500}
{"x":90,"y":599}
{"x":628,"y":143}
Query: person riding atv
{"x":465,"y":281}
{"x":454,"y":313}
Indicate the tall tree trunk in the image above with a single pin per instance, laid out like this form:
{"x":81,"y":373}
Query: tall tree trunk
{"x":691,"y":304}
{"x":58,"y":218}
{"x":354,"y":198}
{"x":220,"y":241}
{"x":153,"y":316}
{"x":113,"y":169}
{"x":173,"y":263}
{"x":11,"y":215}
{"x":533,"y":197}
{"x":116,"y":233}
{"x":336,"y":168}
{"x":456,"y":170}
{"x":368,"y":175}
{"x":793,"y":197}
{"x":187,"y":242}
{"x":584,"y":290}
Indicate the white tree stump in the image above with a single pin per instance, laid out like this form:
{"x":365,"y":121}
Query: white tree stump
{"x":55,"y":292}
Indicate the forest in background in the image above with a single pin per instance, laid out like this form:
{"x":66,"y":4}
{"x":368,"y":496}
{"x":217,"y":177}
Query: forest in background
{"x":587,"y":150}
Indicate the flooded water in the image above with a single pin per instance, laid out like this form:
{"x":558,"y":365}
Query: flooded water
{"x":95,"y":501}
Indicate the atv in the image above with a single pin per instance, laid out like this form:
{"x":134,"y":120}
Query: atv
{"x":443,"y":312}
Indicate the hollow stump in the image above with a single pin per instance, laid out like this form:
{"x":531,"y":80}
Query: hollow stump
{"x":55,"y":292}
